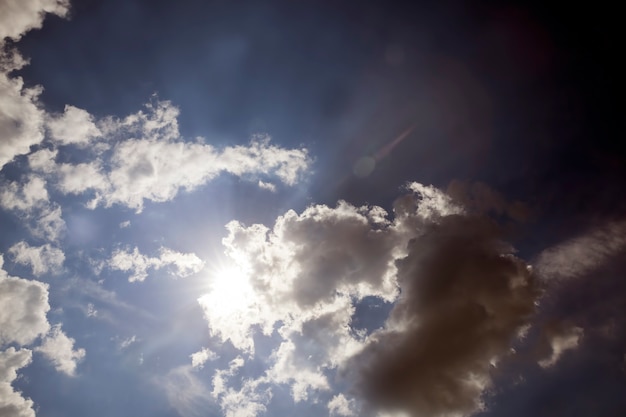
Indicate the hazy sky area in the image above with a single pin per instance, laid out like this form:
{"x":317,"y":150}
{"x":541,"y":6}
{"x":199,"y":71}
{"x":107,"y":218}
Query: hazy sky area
{"x":310,"y":208}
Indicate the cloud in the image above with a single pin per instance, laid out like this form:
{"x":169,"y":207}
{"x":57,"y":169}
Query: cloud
{"x":24,"y":197}
{"x":21,"y":119}
{"x":464,"y":298}
{"x":267,"y":186}
{"x":59,"y":349}
{"x":24,"y":307}
{"x":299,"y":269}
{"x":125,"y":343}
{"x":74,"y":126}
{"x":582,"y":254}
{"x":91,"y":310}
{"x":460,"y":296}
{"x":482,"y":199}
{"x":30,"y":200}
{"x":18,"y":17}
{"x":306,"y":273}
{"x":178,"y":264}
{"x":12,"y":403}
{"x":23,"y":320}
{"x":42,"y":259}
{"x":48,"y":223}
{"x":221,"y":376}
{"x":559,"y":339}
{"x":198,"y":359}
{"x":138,"y":158}
{"x":312,"y":347}
{"x":339,"y":405}
{"x":248,"y":401}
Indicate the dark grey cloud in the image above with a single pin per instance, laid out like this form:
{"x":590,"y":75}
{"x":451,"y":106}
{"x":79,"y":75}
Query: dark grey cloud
{"x":464,"y":298}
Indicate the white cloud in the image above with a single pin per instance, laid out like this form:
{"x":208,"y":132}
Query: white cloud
{"x":128,"y":341}
{"x":582,"y":254}
{"x":299,"y":372}
{"x":149,"y":169}
{"x":74,"y":126}
{"x":125,"y":224}
{"x":339,"y":405}
{"x":91,"y":310}
{"x":59,"y":349}
{"x":24,"y":307}
{"x":30,"y":200}
{"x":42,"y":259}
{"x":24,"y":197}
{"x":43,"y":160}
{"x":21,"y":119}
{"x":198,"y":359}
{"x":19,"y":16}
{"x":249,"y":400}
{"x":220,"y":377}
{"x":308,"y":262}
{"x":48,"y":223}
{"x":312,"y":346}
{"x":147,"y":154}
{"x":12,"y":403}
{"x":178,"y":264}
{"x":76,"y":179}
{"x":267,"y":186}
{"x":23,"y":320}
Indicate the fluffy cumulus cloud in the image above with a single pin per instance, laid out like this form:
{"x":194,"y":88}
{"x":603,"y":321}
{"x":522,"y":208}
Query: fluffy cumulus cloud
{"x":198,"y":359}
{"x":24,"y":307}
{"x":248,"y":400}
{"x":300,"y":269}
{"x":138,"y":158}
{"x":23,"y":321}
{"x":12,"y":403}
{"x":19,"y":16}
{"x":30,"y":200}
{"x":178,"y":264}
{"x":74,"y":126}
{"x":21,"y":118}
{"x":339,"y":405}
{"x":42,"y":259}
{"x":26,"y":196}
{"x":460,"y":296}
{"x":59,"y":349}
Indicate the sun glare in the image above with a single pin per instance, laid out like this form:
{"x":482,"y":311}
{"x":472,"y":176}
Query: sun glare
{"x":230,"y":289}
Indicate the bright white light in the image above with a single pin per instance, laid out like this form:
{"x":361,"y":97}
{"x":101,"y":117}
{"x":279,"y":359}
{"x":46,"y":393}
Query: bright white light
{"x":230,"y":290}
{"x":230,"y":305}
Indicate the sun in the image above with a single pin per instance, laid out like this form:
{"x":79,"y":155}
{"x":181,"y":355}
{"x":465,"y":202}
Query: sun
{"x":230,"y":290}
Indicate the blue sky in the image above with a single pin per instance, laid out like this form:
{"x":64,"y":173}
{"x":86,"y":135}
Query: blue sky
{"x":279,"y":208}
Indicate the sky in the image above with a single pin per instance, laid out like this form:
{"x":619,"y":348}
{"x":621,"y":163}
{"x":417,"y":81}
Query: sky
{"x":310,"y":208}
